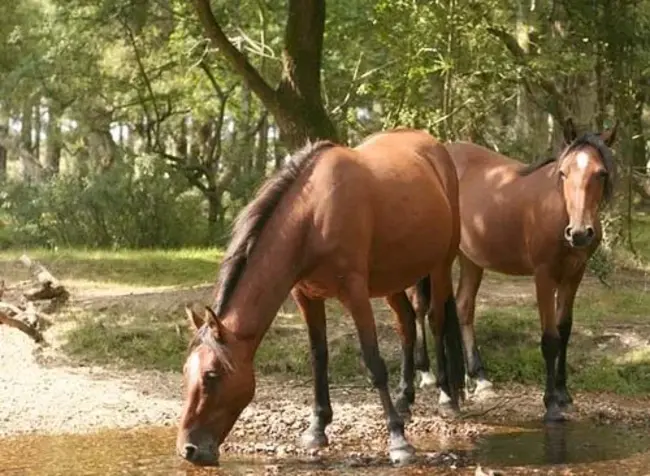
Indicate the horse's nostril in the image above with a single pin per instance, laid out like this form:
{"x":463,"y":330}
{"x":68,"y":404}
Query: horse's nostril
{"x":590,"y":232}
{"x":189,"y":451}
{"x":567,"y":232}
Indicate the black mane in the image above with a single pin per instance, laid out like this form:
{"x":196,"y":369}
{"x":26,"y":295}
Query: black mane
{"x":252,"y":219}
{"x":589,"y":139}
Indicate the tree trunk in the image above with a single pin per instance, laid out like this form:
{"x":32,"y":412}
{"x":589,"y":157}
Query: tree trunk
{"x":181,"y":139}
{"x":639,"y":161}
{"x":296,"y":104}
{"x":4,"y":131}
{"x":26,"y":139}
{"x":53,"y":141}
{"x":36,"y":150}
{"x":214,"y":213}
{"x":262,"y":148}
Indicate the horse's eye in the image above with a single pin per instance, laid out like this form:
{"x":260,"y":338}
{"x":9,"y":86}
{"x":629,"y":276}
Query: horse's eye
{"x":210,"y":377}
{"x":601,"y":174}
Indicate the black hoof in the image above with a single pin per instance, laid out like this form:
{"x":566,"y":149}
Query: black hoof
{"x":447,"y":410}
{"x":554,"y":413}
{"x":564,"y":399}
{"x":403,"y":407}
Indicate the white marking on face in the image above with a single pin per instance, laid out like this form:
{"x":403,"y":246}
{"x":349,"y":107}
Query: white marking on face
{"x":582,"y":159}
{"x":193,"y":368}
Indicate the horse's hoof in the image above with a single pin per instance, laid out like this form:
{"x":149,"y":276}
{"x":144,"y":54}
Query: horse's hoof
{"x":405,"y":413}
{"x":447,"y":410}
{"x":484,"y":391}
{"x":427,"y":379}
{"x":567,"y":407}
{"x":402,"y":455}
{"x":564,"y":400}
{"x":313,"y":439}
{"x":554,"y":414}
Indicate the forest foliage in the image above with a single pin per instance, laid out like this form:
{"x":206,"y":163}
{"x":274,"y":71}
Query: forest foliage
{"x":149,"y":123}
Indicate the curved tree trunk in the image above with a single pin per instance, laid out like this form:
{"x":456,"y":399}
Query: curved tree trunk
{"x":296,"y":103}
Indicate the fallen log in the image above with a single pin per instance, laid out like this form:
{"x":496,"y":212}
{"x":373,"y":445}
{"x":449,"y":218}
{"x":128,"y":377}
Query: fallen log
{"x":51,"y":287}
{"x":19,"y":324}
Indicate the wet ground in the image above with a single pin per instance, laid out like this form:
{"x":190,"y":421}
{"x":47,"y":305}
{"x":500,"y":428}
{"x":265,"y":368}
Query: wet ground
{"x":534,"y":448}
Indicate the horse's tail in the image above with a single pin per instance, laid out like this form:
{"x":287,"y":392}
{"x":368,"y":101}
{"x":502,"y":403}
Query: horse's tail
{"x":423,"y":290}
{"x":453,"y":342}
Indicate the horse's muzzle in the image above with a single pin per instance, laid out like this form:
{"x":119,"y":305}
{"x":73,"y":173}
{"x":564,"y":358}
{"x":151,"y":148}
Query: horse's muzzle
{"x":198,"y":455}
{"x":579,"y":237}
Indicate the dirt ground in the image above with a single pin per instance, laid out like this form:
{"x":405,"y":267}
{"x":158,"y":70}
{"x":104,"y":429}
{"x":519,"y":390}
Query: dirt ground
{"x":41,"y":393}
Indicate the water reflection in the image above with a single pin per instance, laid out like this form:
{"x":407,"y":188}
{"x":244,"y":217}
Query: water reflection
{"x":561,"y":443}
{"x":150,"y":451}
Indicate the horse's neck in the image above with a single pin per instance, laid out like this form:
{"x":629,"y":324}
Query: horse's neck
{"x":551,"y":205}
{"x":271,"y":272}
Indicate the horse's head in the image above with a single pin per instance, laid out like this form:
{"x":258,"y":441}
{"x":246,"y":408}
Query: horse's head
{"x":586,"y":168}
{"x":219,"y":385}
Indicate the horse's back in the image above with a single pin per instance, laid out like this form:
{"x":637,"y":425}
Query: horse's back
{"x":474,"y":158}
{"x":384,"y":209}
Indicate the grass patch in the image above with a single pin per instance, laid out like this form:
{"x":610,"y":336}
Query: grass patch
{"x":508,"y":338}
{"x":107,"y":341}
{"x":131,"y":267}
{"x":508,"y":335}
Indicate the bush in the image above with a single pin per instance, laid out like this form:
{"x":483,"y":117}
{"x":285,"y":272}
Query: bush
{"x":132,"y":206}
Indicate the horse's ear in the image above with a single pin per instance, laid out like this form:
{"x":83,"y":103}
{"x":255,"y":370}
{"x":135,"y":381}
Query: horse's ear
{"x":193,"y":319}
{"x":569,"y":131}
{"x":213,"y":322}
{"x":609,"y":136}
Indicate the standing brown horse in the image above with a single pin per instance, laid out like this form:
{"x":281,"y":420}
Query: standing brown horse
{"x":334,"y":223}
{"x":541,"y":220}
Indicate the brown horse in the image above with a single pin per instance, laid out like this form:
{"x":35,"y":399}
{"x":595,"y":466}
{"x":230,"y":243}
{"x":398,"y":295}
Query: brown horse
{"x":334,"y":223}
{"x":541,"y":220}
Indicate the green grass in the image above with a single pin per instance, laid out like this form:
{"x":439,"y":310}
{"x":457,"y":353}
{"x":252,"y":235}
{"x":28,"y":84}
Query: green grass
{"x":508,"y":337}
{"x":138,"y":268}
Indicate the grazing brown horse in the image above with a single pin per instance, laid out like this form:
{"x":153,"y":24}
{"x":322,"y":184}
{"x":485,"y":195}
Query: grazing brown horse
{"x":541,"y":220}
{"x":334,"y":223}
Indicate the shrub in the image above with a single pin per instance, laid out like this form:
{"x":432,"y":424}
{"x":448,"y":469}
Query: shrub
{"x":138,"y":205}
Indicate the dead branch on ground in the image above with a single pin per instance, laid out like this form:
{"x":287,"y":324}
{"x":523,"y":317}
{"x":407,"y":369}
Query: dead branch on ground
{"x":19,"y":309}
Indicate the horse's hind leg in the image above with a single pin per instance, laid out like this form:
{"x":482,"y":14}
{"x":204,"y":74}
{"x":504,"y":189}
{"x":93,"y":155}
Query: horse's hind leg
{"x":420,"y":297}
{"x":445,"y":326}
{"x":405,"y":316}
{"x":313,"y":312}
{"x":469,"y":282}
{"x":356,"y":299}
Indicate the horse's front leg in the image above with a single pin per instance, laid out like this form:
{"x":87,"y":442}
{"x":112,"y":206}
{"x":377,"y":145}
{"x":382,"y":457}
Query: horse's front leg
{"x":356,"y":299}
{"x":565,"y":298}
{"x":550,"y":344}
{"x":313,"y":311}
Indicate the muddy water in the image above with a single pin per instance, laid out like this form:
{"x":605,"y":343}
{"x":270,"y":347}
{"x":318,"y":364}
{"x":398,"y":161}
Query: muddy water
{"x":575,"y":448}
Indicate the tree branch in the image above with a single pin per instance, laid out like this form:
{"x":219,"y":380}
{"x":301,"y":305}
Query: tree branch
{"x":20,"y":325}
{"x":555,"y":104}
{"x":236,"y":58}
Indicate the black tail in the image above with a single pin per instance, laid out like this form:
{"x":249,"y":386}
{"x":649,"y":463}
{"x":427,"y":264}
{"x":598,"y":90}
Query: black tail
{"x":423,"y":288}
{"x":421,"y":302}
{"x":455,"y":357}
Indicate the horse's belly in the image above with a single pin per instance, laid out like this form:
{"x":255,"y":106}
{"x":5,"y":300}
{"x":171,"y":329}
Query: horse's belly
{"x":403,"y":254}
{"x":494,"y":250}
